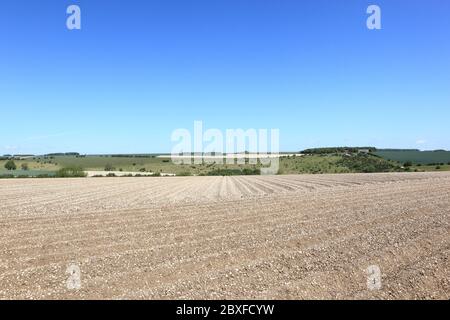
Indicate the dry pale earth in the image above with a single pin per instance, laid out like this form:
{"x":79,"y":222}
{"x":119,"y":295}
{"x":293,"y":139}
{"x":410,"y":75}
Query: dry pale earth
{"x":257,"y":237}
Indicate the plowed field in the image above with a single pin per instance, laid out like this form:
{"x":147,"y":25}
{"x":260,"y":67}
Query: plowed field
{"x":254,"y":237}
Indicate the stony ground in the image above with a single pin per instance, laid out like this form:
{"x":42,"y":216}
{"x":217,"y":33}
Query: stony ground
{"x":281,"y":237}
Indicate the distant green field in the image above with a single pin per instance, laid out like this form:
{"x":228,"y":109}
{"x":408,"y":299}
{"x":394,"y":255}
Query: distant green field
{"x":123,"y":163}
{"x":99,"y":162}
{"x":422,"y":157}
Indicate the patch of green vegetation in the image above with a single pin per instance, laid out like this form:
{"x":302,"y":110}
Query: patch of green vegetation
{"x":314,"y":164}
{"x":6,"y":176}
{"x":428,"y":168}
{"x":25,"y":173}
{"x":184,"y":174}
{"x":234,"y":172}
{"x":336,"y":163}
{"x":367,"y":163}
{"x":33,"y":165}
{"x":71,"y":172}
{"x":109,"y":163}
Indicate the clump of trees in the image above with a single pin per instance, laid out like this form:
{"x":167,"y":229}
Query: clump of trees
{"x":10,"y":165}
{"x":337,"y":150}
{"x":61,"y":154}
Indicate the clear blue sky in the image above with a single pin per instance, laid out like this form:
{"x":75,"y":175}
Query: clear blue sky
{"x":140,"y":69}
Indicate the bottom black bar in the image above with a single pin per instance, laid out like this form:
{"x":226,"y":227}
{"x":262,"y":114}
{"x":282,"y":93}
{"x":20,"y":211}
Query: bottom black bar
{"x":221,"y":309}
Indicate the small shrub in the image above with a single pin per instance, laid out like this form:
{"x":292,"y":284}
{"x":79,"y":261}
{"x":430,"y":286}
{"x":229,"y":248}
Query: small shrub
{"x":24,"y":166}
{"x":407,"y":164}
{"x":109,"y":167}
{"x":111,"y":174}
